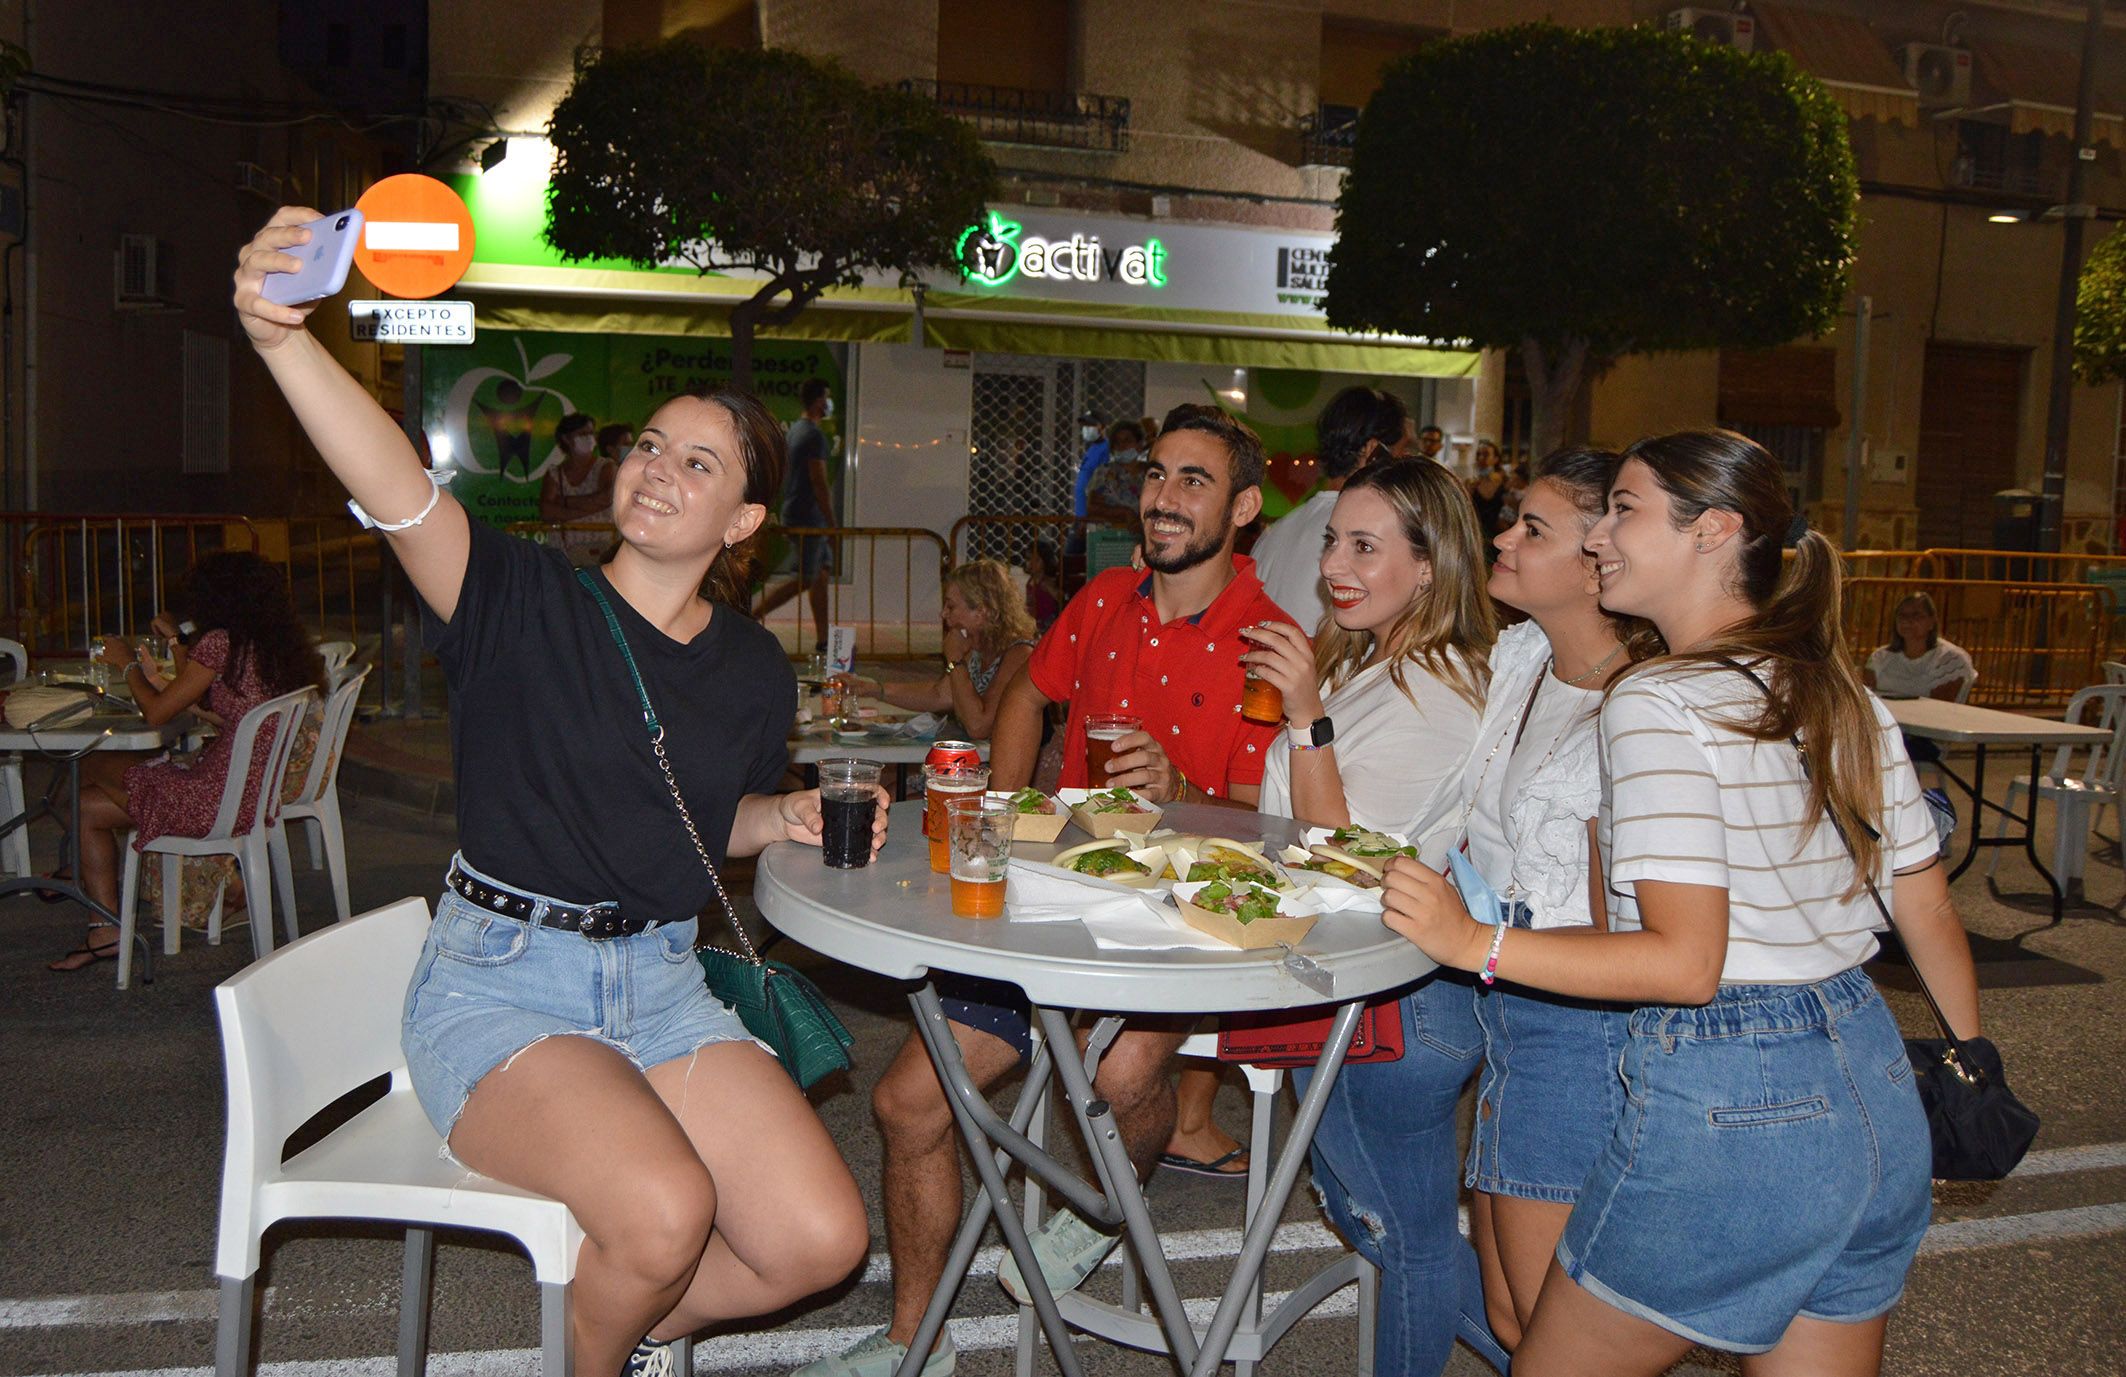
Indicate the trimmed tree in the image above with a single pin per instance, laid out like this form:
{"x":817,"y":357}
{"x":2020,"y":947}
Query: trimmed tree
{"x":758,"y":161}
{"x":2100,"y":313}
{"x":1582,"y":194}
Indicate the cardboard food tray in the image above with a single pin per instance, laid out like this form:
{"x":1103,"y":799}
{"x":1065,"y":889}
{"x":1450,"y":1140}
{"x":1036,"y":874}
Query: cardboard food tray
{"x":1101,"y":826}
{"x":1298,"y":914}
{"x":1263,"y":932}
{"x":1036,"y":827}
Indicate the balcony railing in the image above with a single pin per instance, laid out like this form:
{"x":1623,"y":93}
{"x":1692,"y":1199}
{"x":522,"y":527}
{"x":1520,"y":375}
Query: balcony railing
{"x":1327,"y":135}
{"x":1043,"y":119}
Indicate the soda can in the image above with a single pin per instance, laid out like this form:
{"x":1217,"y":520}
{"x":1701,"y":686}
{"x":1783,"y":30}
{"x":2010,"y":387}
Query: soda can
{"x":952,"y":755}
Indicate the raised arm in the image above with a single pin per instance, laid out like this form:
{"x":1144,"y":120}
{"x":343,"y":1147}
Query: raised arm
{"x":360,"y":443}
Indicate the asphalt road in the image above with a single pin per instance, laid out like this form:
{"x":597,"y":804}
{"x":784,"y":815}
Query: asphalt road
{"x":110,"y":1161}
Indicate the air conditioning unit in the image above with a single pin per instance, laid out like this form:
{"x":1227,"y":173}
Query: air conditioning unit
{"x":1941,"y":75}
{"x":1714,"y":26}
{"x":252,"y":178}
{"x":140,"y":270}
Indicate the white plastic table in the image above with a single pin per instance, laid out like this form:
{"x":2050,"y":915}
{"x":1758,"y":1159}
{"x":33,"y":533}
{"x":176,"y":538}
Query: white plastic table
{"x":1961,"y":724}
{"x":895,"y":918}
{"x":113,"y":726}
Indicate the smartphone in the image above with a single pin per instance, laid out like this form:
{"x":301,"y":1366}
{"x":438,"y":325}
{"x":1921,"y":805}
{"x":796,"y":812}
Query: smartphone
{"x":326,"y":259}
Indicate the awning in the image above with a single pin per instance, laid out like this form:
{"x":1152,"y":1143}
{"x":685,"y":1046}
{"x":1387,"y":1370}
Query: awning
{"x":621,"y":301}
{"x":1847,"y":56}
{"x":2039,"y":86}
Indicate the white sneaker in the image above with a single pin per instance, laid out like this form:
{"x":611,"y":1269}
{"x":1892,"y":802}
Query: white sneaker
{"x":1068,"y":1249}
{"x":875,"y":1355}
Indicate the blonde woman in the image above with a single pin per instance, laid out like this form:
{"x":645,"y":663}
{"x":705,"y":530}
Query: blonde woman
{"x":1380,"y":714}
{"x":989,"y":634}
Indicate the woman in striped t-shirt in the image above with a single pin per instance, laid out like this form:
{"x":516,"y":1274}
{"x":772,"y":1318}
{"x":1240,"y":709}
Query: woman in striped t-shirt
{"x":1767,"y":1185}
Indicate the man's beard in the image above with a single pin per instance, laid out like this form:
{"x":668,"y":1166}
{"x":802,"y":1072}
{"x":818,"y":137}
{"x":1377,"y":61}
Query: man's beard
{"x":1200,"y":548}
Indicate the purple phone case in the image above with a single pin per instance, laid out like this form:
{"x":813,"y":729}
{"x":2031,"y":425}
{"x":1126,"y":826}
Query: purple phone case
{"x":327,"y":258}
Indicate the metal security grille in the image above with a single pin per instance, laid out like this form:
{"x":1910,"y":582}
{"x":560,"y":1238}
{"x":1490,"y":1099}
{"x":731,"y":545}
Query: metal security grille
{"x":1025,"y":437}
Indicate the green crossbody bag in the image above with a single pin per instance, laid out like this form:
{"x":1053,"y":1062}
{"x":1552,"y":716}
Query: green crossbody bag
{"x":779,"y":1006}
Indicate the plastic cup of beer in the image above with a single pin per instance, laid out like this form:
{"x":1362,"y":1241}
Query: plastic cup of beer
{"x":978,"y":834}
{"x":1102,"y":731}
{"x":848,"y":807}
{"x":1260,"y":700}
{"x":940,"y":786}
{"x":832,"y":699}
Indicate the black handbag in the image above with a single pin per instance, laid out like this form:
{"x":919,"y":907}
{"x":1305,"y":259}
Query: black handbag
{"x":777,"y":1005}
{"x":1980,"y":1130}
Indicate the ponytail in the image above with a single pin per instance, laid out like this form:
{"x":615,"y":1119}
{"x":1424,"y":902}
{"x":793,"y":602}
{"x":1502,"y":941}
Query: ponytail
{"x":1794,"y":639}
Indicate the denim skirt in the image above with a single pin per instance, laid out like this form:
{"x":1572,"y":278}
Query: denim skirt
{"x":486,"y":987}
{"x":1550,"y":1093}
{"x":1772,"y":1160}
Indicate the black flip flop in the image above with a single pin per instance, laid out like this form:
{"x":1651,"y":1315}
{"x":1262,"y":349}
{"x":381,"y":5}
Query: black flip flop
{"x":1213,"y":1168}
{"x":107,"y":951}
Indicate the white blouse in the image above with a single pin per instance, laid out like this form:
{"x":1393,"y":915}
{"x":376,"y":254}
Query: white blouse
{"x":1398,"y":759}
{"x":1535,"y":809}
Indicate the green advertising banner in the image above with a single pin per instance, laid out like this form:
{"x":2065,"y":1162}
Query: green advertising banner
{"x":490,"y":408}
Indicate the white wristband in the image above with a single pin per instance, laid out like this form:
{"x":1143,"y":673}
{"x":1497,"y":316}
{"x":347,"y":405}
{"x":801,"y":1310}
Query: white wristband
{"x":410,"y":522}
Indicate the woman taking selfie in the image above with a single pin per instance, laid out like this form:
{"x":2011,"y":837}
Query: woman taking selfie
{"x":1380,"y":712}
{"x":558,"y":1030}
{"x":1766,"y":1186}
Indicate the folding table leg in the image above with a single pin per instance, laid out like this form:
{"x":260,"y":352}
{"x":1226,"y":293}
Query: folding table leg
{"x":1255,"y":1244}
{"x":414,"y":1275}
{"x":557,"y":1351}
{"x":952,"y":1075}
{"x":232,"y":1327}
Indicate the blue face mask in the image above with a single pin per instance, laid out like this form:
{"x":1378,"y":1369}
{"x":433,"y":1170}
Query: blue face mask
{"x":1478,"y":896}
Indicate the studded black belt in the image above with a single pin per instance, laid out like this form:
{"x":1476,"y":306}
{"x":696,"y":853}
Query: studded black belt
{"x":598,"y":922}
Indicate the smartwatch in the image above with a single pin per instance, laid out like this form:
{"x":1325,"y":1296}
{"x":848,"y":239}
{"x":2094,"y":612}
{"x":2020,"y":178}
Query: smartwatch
{"x":1320,"y":734}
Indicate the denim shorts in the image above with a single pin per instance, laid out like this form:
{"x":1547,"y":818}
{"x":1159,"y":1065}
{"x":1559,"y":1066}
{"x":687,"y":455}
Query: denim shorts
{"x":487,"y":987}
{"x":1772,"y":1160}
{"x":1550,"y":1093}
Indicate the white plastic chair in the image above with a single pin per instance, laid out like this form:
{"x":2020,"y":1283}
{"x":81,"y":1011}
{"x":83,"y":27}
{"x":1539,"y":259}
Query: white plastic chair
{"x":2080,"y":794}
{"x":15,"y":846}
{"x":335,"y":654}
{"x":299,"y":1030}
{"x":2115,"y":671}
{"x":316,"y":800}
{"x":252,"y":847}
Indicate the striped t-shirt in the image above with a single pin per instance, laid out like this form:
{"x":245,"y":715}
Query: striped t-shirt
{"x":1691,"y":801}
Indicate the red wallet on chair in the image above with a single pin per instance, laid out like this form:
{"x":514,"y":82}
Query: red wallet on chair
{"x":1295,"y":1037}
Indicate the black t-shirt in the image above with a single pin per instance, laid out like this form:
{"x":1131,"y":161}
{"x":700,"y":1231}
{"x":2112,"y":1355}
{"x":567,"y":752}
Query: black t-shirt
{"x":558,"y":791}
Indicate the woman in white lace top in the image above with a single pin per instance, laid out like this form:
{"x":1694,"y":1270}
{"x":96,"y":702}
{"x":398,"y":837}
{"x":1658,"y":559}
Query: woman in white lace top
{"x":1530,"y":794}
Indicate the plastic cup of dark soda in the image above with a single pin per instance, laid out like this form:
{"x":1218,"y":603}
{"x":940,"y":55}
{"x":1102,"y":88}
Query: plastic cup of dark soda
{"x":848,"y":807}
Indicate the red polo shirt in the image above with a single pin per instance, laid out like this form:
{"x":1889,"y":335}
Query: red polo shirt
{"x":1109,"y":652}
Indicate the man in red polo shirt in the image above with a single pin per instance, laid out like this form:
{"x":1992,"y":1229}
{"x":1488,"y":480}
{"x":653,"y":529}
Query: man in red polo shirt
{"x":1164,"y":646}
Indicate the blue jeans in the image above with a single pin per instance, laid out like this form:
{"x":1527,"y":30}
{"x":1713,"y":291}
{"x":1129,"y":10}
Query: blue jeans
{"x":1385,"y":1164}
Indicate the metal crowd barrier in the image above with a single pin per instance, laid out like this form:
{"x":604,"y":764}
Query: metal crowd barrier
{"x":80,"y":575}
{"x":2033,"y":644}
{"x":886,"y":581}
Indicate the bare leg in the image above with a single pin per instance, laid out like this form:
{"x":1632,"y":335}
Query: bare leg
{"x":1137,"y":1079}
{"x":1822,"y":1348}
{"x":922,"y":1165}
{"x":1196,"y":1133}
{"x":1506,"y":1326}
{"x":103,"y":817}
{"x":789,"y":1221}
{"x":1526,"y":1234}
{"x":817,"y":590}
{"x":1575,"y":1334}
{"x":551,"y":1120}
{"x":775,"y":595}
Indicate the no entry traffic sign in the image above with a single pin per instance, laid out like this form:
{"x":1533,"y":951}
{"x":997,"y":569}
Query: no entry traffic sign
{"x":417,"y":236}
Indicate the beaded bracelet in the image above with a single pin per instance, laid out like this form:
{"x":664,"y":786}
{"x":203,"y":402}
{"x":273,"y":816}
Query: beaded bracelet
{"x":1490,"y":973}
